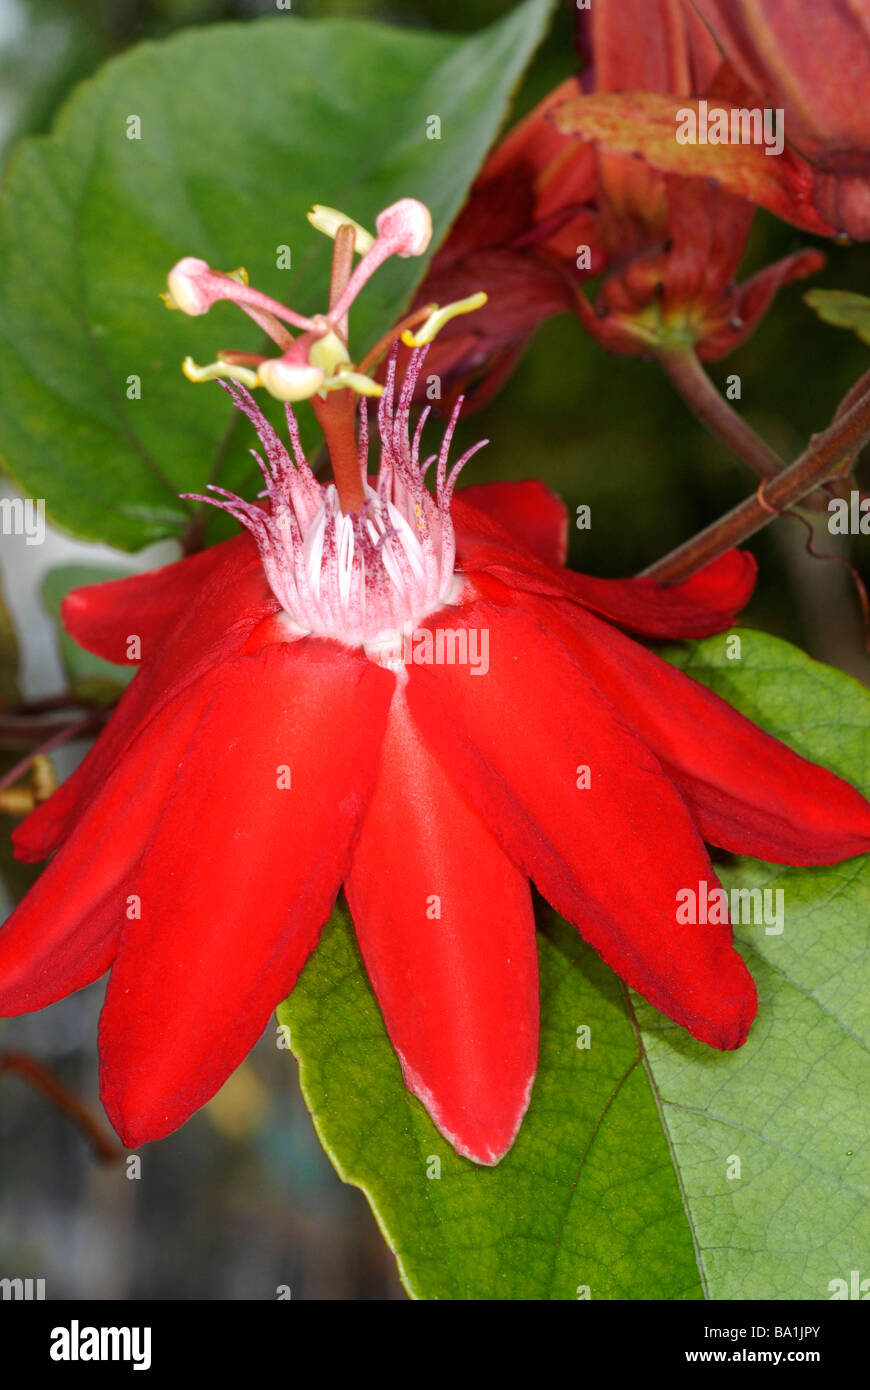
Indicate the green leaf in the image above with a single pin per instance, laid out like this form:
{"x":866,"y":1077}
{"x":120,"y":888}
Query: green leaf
{"x":586,"y":1196}
{"x":618,"y":1180}
{"x":843,"y":309}
{"x":791,"y":1104}
{"x":242,"y":128}
{"x":92,"y":680}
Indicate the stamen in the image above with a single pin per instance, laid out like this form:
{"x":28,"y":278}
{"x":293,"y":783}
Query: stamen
{"x":214,"y":370}
{"x":437,"y":319}
{"x":374,"y":355}
{"x":354,"y":381}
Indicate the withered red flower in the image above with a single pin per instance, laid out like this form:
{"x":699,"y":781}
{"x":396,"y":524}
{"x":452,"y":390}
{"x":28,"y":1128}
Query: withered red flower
{"x":518,"y":238}
{"x":673,"y":243}
{"x":564,"y":198}
{"x":420,"y":702}
{"x":803,"y":65}
{"x":813,"y":62}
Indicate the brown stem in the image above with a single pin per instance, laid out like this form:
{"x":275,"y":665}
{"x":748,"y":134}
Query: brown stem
{"x":24,"y":730}
{"x":336,"y":414}
{"x":688,"y":377}
{"x":104,"y":1146}
{"x":827,"y":454}
{"x":64,"y":734}
{"x":66,"y":699}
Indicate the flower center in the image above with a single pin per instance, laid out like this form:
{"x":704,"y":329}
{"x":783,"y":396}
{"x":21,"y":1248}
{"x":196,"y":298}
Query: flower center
{"x":365,"y":577}
{"x":357,"y":560}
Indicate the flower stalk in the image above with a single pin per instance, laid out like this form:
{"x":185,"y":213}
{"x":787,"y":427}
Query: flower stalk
{"x":828,"y":454}
{"x":688,"y":377}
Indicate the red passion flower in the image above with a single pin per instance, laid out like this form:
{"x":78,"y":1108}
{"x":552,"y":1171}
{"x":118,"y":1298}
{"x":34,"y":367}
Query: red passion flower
{"x":416,"y":700}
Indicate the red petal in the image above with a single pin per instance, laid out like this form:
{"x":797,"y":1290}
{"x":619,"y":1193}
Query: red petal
{"x":239,"y":876}
{"x":102,"y":617}
{"x":753,"y":300}
{"x":529,"y":511}
{"x":748,"y":792}
{"x":65,"y":933}
{"x":706,"y":603}
{"x":652,"y":45}
{"x":455,"y":986}
{"x":810,"y":59}
{"x":213,"y":623}
{"x":611,"y":857}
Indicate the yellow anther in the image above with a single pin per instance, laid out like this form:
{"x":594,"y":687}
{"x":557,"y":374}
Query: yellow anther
{"x":363,"y":385}
{"x":246,"y":375}
{"x":328,"y":221}
{"x":240,"y":275}
{"x":437,"y":319}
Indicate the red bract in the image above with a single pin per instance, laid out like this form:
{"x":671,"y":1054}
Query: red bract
{"x":674,"y":244}
{"x":805,"y":61}
{"x":281,"y":739}
{"x":567,"y":195}
{"x":518,"y":238}
{"x":813,"y":61}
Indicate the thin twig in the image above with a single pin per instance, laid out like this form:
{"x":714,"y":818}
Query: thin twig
{"x":105,"y":1148}
{"x":827,"y":455}
{"x":64,"y":734}
{"x":66,"y":699}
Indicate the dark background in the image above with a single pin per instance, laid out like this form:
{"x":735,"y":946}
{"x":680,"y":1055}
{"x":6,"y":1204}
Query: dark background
{"x":242,"y":1199}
